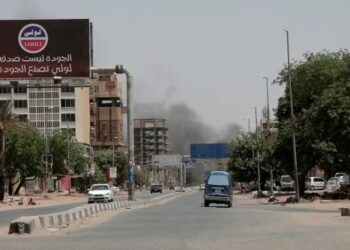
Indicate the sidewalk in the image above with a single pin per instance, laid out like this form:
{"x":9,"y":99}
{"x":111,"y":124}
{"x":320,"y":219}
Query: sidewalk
{"x":52,"y":199}
{"x":247,"y":199}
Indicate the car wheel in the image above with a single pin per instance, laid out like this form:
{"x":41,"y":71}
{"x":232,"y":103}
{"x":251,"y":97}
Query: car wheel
{"x":312,"y":188}
{"x":206,"y":203}
{"x":229,"y":204}
{"x":90,"y":201}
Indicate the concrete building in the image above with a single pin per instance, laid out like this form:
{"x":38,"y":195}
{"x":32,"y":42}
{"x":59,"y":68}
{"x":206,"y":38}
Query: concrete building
{"x":150,"y":139}
{"x":49,"y":109}
{"x":106,"y":112}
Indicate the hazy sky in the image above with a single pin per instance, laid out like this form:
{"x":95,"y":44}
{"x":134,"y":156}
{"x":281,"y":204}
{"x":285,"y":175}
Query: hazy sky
{"x":210,"y":55}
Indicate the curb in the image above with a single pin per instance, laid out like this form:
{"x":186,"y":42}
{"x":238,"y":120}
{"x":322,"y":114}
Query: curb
{"x":30,"y":224}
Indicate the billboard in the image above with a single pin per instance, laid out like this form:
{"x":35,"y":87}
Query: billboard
{"x":210,"y":150}
{"x":167,"y":160}
{"x":44,"y":48}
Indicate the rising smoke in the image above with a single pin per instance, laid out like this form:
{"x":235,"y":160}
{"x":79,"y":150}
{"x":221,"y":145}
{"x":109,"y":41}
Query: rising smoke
{"x":185,"y":126}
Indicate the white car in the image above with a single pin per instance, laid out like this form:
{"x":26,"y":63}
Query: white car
{"x":100,"y":193}
{"x":313,"y":183}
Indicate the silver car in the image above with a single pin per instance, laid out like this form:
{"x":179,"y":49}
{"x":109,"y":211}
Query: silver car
{"x":313,"y":183}
{"x":286,"y":183}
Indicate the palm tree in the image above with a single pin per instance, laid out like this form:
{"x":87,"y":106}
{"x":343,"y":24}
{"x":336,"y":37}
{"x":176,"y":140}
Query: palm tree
{"x":5,"y":118}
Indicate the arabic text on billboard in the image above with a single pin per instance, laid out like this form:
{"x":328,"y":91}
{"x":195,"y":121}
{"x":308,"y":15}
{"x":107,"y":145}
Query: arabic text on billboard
{"x":210,"y":150}
{"x":44,"y":48}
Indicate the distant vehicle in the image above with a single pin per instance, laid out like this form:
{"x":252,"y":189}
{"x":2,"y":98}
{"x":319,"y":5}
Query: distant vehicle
{"x":286,"y":183}
{"x":115,"y":189}
{"x":100,"y":193}
{"x":201,"y":187}
{"x":344,"y":179}
{"x":333,"y":183}
{"x":267,"y":186}
{"x":218,"y":188}
{"x":313,"y":183}
{"x":171,"y":187}
{"x":156,"y":188}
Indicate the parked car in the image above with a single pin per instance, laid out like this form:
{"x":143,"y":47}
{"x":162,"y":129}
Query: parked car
{"x":313,"y":183}
{"x":115,"y":189}
{"x":172,"y":187}
{"x":218,"y":188}
{"x":156,"y":188}
{"x":100,"y":193}
{"x":286,"y":183}
{"x":333,"y":183}
{"x":344,"y":179}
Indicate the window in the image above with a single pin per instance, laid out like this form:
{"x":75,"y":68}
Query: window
{"x":20,"y":90}
{"x":67,"y":90}
{"x":22,"y":118}
{"x":68,"y":117}
{"x":65,"y":103}
{"x":5,"y":90}
{"x":219,"y":180}
{"x":20,"y":103}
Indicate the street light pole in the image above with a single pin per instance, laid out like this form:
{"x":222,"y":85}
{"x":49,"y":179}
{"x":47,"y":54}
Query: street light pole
{"x":116,"y":169}
{"x":268,"y":129}
{"x":46,"y":145}
{"x":257,"y":151}
{"x":247,"y":118}
{"x":295,"y":162}
{"x":120,"y":69}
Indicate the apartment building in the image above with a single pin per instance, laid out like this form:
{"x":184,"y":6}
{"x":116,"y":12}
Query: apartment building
{"x":49,"y":109}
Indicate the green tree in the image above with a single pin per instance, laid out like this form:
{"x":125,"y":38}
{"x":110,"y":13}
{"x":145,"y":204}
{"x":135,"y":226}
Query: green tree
{"x":6,"y":119}
{"x":104,"y":159}
{"x":140,"y":178}
{"x":24,"y":150}
{"x":319,"y":83}
{"x":60,"y":142}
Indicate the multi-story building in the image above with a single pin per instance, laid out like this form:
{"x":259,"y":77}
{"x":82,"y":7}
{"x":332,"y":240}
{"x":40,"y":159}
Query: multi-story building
{"x":150,"y":139}
{"x":106,"y":112}
{"x":49,"y":109}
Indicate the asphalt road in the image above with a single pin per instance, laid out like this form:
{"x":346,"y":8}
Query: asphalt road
{"x":8,"y":215}
{"x":183,"y":223}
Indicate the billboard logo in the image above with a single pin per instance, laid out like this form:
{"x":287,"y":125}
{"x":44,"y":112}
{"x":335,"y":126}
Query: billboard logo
{"x":33,"y":38}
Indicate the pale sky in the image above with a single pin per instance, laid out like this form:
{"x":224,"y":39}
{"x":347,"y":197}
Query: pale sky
{"x":210,"y":55}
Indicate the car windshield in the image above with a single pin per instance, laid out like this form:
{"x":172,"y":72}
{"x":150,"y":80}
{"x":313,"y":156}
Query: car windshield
{"x":99,"y":187}
{"x":218,"y":180}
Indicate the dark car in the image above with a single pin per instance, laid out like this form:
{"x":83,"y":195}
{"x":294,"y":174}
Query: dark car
{"x":218,"y":188}
{"x":156,"y":188}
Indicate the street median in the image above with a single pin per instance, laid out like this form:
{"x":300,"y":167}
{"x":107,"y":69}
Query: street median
{"x":64,"y":219}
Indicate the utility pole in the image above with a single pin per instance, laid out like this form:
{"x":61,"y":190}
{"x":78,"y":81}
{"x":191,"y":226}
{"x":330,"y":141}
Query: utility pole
{"x":120,"y":69}
{"x":295,"y":162}
{"x":268,"y":130}
{"x":257,"y":150}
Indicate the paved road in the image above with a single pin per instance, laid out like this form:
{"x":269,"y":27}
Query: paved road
{"x":184,"y":223}
{"x":8,"y":215}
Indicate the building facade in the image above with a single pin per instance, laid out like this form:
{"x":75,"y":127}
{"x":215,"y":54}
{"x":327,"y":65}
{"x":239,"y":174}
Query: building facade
{"x":150,"y":138}
{"x":106,"y":112}
{"x":49,"y":109}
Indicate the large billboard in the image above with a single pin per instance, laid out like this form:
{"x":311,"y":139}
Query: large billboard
{"x":210,"y":150}
{"x":44,"y":48}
